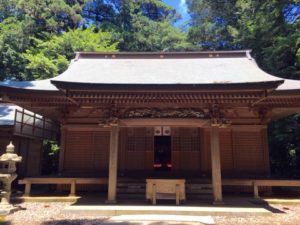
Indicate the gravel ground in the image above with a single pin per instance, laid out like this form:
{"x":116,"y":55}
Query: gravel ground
{"x":48,"y":214}
{"x":52,"y":214}
{"x":284,"y":215}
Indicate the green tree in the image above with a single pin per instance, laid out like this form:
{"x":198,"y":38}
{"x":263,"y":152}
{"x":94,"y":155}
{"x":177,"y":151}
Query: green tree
{"x":13,"y":42}
{"x":149,"y":35}
{"x":209,"y":22}
{"x":51,"y":57}
{"x":54,"y":16}
{"x":29,"y":25}
{"x":141,"y":25}
{"x":270,"y":28}
{"x":7,"y":9}
{"x":23,"y":20}
{"x":284,"y":145}
{"x":50,"y":158}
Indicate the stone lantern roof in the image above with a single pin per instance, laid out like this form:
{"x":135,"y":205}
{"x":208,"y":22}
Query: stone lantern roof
{"x":10,"y":154}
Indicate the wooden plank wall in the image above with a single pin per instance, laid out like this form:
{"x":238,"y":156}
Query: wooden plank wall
{"x":34,"y":158}
{"x":86,"y":152}
{"x":227,"y":156}
{"x":244,"y":150}
{"x":186,"y":150}
{"x":248,"y":148}
{"x":136,"y":149}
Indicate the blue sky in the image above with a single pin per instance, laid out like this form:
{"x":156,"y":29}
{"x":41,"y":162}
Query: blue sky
{"x":181,"y":7}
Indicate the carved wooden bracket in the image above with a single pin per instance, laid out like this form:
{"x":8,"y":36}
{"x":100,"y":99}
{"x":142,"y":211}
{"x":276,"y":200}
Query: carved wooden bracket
{"x":218,"y":117}
{"x":111,"y":117}
{"x":263,"y":113}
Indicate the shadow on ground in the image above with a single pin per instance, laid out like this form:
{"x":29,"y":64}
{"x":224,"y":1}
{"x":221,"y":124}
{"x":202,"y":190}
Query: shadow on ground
{"x":101,"y":222}
{"x":5,"y":223}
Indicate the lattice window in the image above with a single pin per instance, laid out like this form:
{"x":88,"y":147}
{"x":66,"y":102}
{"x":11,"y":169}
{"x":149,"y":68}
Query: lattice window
{"x":186,"y":139}
{"x":140,"y":139}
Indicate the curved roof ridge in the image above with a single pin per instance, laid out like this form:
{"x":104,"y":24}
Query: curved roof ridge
{"x":184,"y":54}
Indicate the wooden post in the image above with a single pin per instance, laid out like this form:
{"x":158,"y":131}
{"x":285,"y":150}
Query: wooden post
{"x":154,"y":194}
{"x":113,"y":164}
{"x":255,"y":190}
{"x":216,"y":165}
{"x":177,"y":191}
{"x":27,"y":189}
{"x":62,"y":149}
{"x":62,"y":146}
{"x":73,"y":189}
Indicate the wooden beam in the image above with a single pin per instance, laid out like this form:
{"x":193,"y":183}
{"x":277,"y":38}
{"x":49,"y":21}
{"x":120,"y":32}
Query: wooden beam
{"x":113,"y":165}
{"x":178,"y":122}
{"x":86,"y":127}
{"x":216,"y":165}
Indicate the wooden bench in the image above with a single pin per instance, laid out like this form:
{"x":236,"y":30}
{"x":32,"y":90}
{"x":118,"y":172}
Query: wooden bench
{"x":260,"y":183}
{"x":273,"y":183}
{"x":60,"y":180}
{"x":165,"y":189}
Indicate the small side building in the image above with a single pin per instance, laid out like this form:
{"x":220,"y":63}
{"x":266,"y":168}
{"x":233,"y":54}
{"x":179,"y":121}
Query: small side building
{"x":27,"y":131}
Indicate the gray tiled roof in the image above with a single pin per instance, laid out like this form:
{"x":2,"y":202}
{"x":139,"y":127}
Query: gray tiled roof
{"x":172,"y":68}
{"x":7,"y":114}
{"x":31,"y":85}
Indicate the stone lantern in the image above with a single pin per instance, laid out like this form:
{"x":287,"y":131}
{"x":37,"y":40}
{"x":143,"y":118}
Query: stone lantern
{"x":8,"y":168}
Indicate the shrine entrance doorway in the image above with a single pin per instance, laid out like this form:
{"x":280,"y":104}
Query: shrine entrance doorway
{"x":162,"y":153}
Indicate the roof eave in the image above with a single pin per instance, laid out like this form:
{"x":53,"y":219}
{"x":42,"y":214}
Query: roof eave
{"x":11,"y":89}
{"x":286,"y":92}
{"x":62,"y":85}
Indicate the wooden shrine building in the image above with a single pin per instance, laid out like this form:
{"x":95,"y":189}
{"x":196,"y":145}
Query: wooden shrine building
{"x":174,"y":115}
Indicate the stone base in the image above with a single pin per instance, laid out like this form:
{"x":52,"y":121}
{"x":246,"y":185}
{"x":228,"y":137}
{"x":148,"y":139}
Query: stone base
{"x":6,"y":209}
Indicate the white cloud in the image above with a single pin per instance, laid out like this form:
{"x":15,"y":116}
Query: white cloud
{"x":183,"y":6}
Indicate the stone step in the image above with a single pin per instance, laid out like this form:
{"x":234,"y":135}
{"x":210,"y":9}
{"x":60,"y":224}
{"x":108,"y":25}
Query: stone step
{"x":113,"y":210}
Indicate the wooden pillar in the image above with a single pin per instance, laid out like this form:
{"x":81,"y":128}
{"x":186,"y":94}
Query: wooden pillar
{"x":113,"y":164}
{"x":62,"y":147}
{"x":216,"y":165}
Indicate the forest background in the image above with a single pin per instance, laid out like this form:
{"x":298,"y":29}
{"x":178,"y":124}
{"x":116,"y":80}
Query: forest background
{"x":38,"y":39}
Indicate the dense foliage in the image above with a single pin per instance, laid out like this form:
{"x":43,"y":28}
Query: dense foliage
{"x":51,"y":57}
{"x":284,"y":140}
{"x":270,"y":28}
{"x":50,"y":158}
{"x":23,"y":20}
{"x":38,"y":39}
{"x":142,"y":25}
